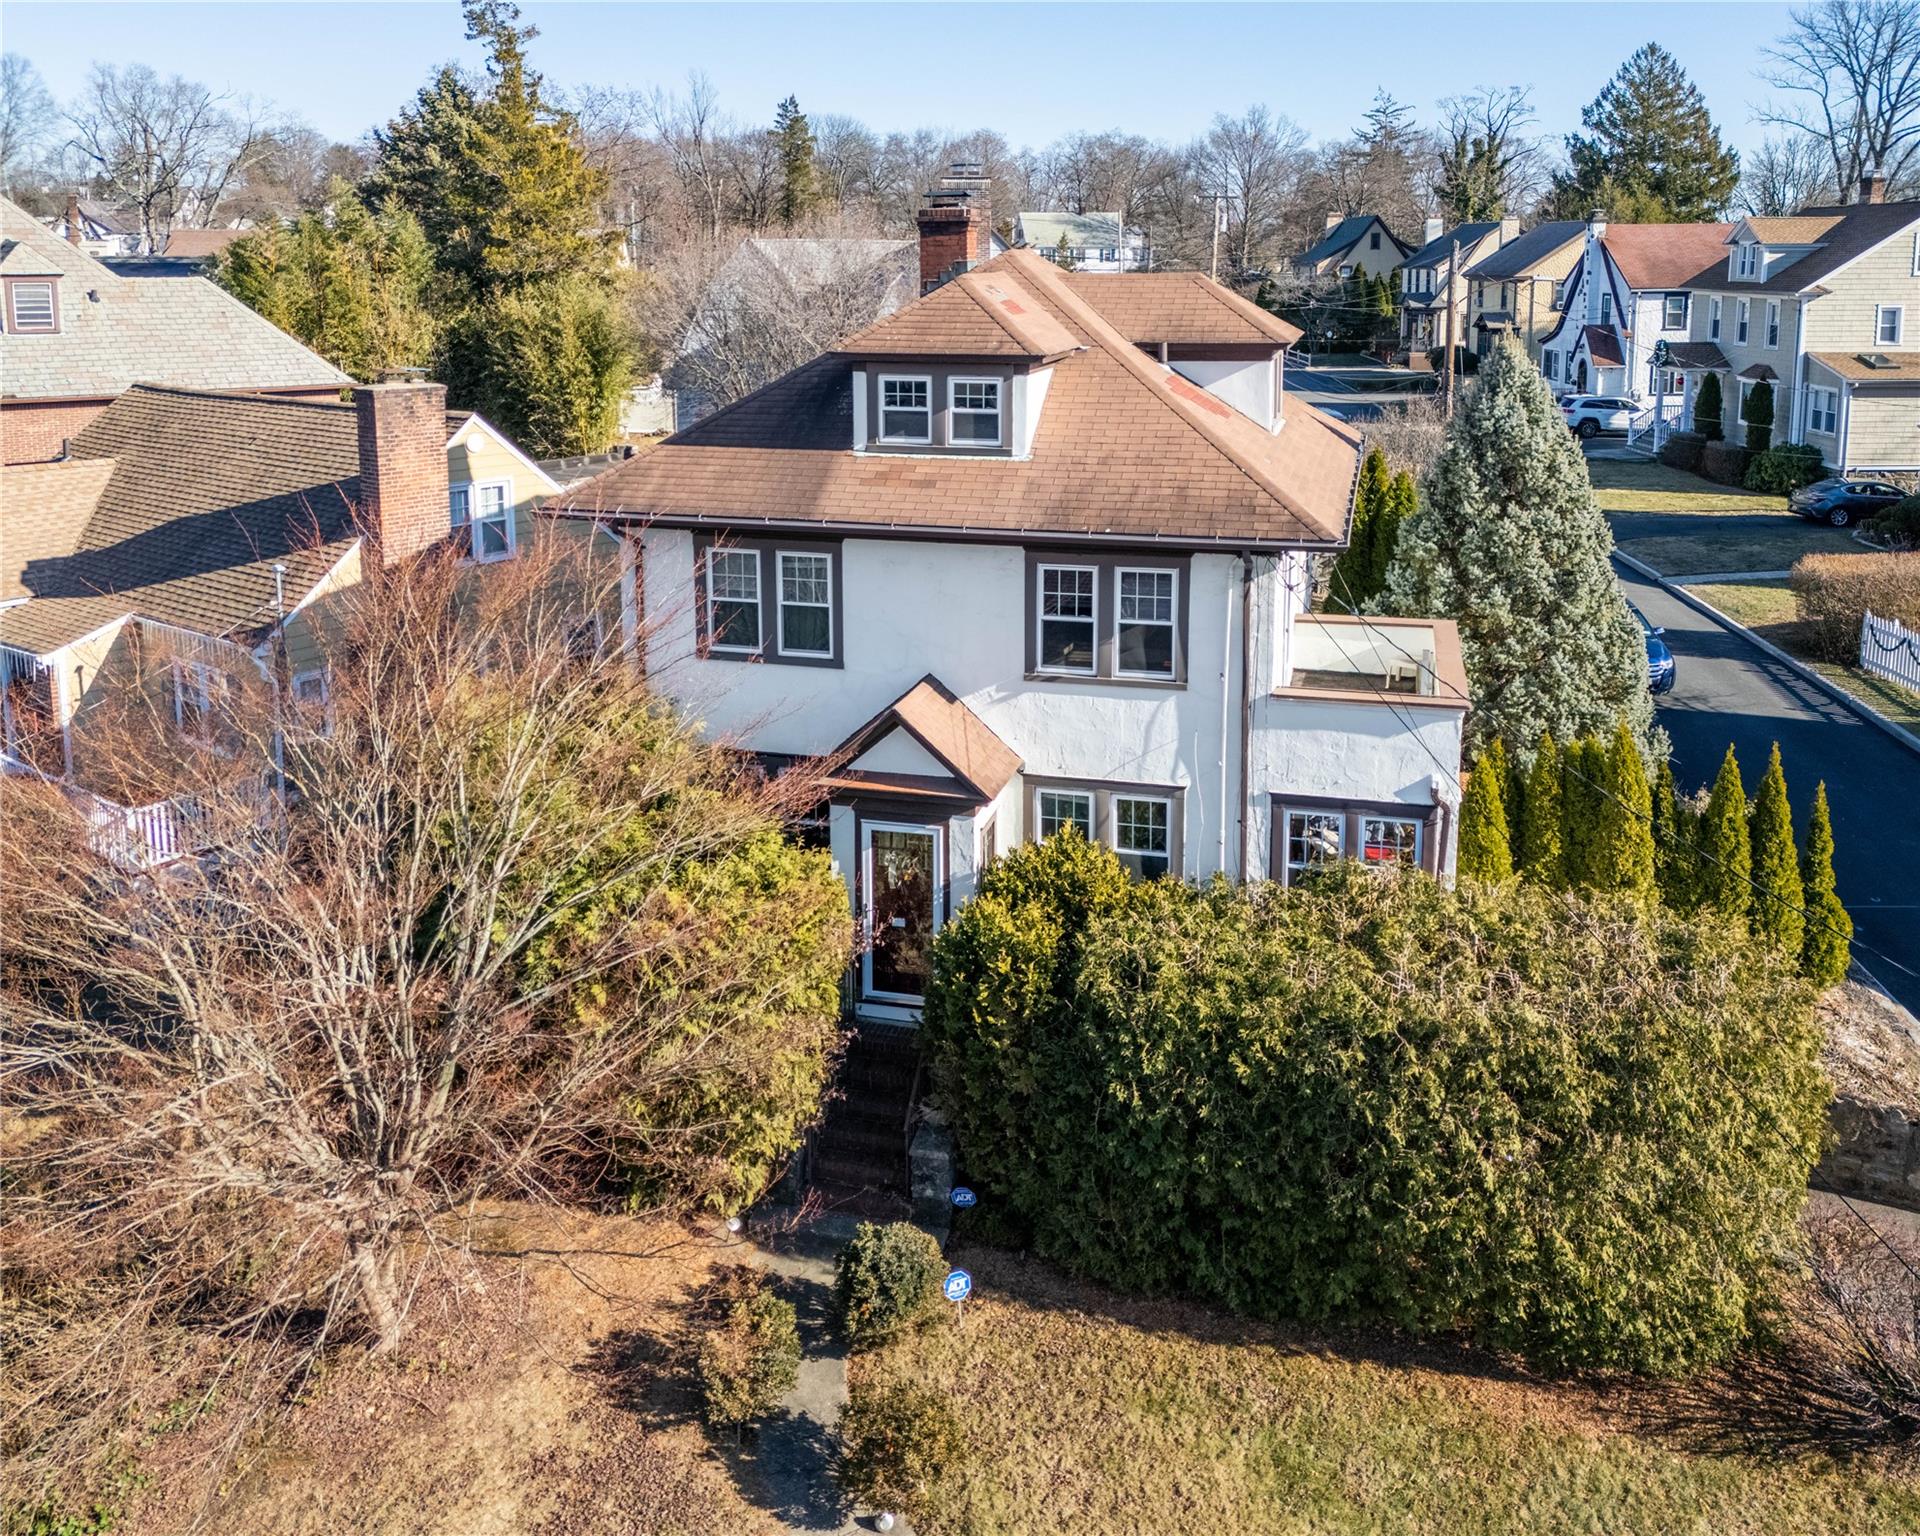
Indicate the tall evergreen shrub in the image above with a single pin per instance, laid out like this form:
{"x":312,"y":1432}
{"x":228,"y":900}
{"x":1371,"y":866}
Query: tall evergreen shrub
{"x":1778,"y":900}
{"x":1724,"y":857}
{"x":1486,"y":849}
{"x":1709,"y":415}
{"x":1542,"y":854}
{"x":1825,"y":951}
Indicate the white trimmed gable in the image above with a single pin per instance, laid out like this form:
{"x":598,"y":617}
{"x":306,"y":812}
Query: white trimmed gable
{"x":899,"y":752}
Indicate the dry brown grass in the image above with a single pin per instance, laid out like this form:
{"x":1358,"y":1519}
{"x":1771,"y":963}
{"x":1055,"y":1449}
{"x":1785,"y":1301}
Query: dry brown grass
{"x":554,"y":1405}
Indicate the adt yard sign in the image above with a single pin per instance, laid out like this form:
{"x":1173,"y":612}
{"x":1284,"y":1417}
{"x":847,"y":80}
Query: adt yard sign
{"x":958,"y":1285}
{"x":963,"y":1198}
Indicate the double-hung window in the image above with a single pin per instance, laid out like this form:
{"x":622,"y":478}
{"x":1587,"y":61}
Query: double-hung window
{"x":906,"y":409}
{"x":806,"y":604}
{"x":733,"y":599}
{"x":481,"y":513}
{"x":1390,"y":840}
{"x":1606,"y":309}
{"x":1773,"y":322}
{"x":1314,"y":839}
{"x":1143,"y":834}
{"x":1741,"y":316}
{"x":1713,"y":318}
{"x":1675,"y":318}
{"x":1068,"y":613}
{"x":974,"y":412}
{"x":30,"y":307}
{"x":1888,"y":321}
{"x":1823,"y":410}
{"x":1061,"y":808}
{"x":1747,"y":259}
{"x":1145,"y":623}
{"x":313,"y":700}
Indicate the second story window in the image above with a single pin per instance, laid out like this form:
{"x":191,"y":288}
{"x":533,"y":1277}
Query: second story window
{"x":733,"y":599}
{"x":1675,"y":318}
{"x":1888,"y":322}
{"x":975,"y":408}
{"x":30,"y":306}
{"x":1606,"y":309}
{"x":1373,"y":241}
{"x":1746,"y":259}
{"x":1146,"y":623}
{"x":806,"y":604}
{"x":1067,"y":617}
{"x":482,"y":518}
{"x":1773,"y":322}
{"x":906,"y":409}
{"x":1741,"y":320}
{"x":1713,"y":319}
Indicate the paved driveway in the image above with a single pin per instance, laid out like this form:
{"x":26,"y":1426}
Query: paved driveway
{"x":1730,"y":691}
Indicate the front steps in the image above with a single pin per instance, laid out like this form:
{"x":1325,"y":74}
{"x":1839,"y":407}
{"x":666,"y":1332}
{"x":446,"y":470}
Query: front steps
{"x":859,"y":1154}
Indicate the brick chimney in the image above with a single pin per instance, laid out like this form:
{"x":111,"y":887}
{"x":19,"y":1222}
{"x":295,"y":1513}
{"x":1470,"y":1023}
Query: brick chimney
{"x":1873,"y":186}
{"x":955,"y":226}
{"x":403,"y":467}
{"x":73,"y":218}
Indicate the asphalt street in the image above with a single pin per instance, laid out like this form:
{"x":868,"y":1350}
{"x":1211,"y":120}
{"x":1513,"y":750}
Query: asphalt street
{"x":1730,"y":691}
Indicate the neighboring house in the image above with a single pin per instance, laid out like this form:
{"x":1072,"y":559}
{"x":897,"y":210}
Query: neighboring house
{"x":1825,"y":305}
{"x":1516,"y":291}
{"x":98,"y":229}
{"x":1627,"y":293}
{"x":1034,"y":553}
{"x":188,"y":532}
{"x":74,"y":335}
{"x":1096,"y":242}
{"x":1433,"y":284}
{"x":1359,"y":243}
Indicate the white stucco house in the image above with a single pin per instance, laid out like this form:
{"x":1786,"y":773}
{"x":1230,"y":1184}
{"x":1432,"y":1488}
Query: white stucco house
{"x":1034,"y":552}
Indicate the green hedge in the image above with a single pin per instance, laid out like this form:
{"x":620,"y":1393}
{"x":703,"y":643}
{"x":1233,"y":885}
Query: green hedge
{"x":1580,"y":1128}
{"x":1682,"y":450}
{"x":1725,"y":462}
{"x":1785,"y":469}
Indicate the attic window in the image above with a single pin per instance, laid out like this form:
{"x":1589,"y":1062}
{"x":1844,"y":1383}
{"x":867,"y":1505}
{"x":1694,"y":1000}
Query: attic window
{"x":976,"y":411}
{"x":30,"y":306}
{"x":906,"y":410}
{"x":1746,"y":259}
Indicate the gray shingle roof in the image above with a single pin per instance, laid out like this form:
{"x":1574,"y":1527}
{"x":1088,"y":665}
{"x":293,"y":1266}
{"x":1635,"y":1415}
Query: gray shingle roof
{"x":1436,"y":251}
{"x":1341,"y":236}
{"x":1043,"y":230}
{"x":118,"y":330}
{"x":1518,"y":257}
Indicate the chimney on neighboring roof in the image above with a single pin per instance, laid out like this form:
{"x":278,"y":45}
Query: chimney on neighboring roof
{"x":1509,"y":231}
{"x":955,"y":227}
{"x":1432,"y":233}
{"x":1597,"y":224}
{"x":403,"y":468}
{"x":1873,"y":186}
{"x":73,"y":218}
{"x":1333,"y":219}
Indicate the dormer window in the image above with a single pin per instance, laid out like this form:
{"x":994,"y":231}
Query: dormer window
{"x":31,"y":306}
{"x":1746,"y":259}
{"x":975,"y":407}
{"x":906,"y":409}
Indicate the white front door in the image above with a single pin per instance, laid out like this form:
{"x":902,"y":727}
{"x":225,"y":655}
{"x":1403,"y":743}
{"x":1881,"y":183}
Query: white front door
{"x":902,"y":875}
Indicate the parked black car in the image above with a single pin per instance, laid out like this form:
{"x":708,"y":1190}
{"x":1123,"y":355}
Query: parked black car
{"x":1662,"y":670}
{"x":1844,"y":502}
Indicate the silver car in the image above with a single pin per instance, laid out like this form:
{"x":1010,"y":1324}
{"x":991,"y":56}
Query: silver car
{"x":1587,"y":416}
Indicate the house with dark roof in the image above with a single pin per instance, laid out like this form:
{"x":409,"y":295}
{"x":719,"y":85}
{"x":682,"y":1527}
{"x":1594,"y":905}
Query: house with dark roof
{"x":183,"y":550}
{"x":1628,"y":294}
{"x":1433,"y":281}
{"x":1517,"y":290}
{"x":1825,"y":306}
{"x":1356,"y":243}
{"x":1034,"y":553}
{"x":75,"y":334}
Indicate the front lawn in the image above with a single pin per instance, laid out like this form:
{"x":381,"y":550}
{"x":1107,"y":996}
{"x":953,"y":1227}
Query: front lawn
{"x":1105,"y":1416}
{"x":1623,"y":485}
{"x":1747,"y":546}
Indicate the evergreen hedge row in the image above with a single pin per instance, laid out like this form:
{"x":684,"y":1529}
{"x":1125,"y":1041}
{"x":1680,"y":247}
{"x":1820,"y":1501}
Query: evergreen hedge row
{"x":1578,"y":1127}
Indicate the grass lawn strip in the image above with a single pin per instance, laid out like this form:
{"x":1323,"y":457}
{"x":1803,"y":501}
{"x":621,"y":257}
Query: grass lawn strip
{"x":1621,"y":485}
{"x":1102,"y":1416}
{"x":1747,"y":547}
{"x":1766,"y":608}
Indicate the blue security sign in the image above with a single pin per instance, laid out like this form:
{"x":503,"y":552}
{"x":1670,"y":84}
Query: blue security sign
{"x":963,"y":1198}
{"x":958,"y":1285}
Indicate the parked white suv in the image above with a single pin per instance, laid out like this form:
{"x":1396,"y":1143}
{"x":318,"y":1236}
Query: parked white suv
{"x":1590,"y":415}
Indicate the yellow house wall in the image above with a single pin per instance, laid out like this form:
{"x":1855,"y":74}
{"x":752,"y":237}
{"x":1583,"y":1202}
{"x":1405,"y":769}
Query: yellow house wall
{"x":1841,"y":319}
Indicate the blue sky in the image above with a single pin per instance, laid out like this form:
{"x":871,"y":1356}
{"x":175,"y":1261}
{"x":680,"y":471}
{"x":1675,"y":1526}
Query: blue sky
{"x":1032,"y":71}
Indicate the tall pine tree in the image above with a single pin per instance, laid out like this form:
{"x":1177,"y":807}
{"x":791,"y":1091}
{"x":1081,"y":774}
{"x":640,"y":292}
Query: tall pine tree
{"x":1778,"y":900}
{"x":1725,"y":856}
{"x":799,"y":179}
{"x":1508,"y":541}
{"x":1486,"y":846}
{"x":1542,"y":856}
{"x":1651,"y":154}
{"x":1403,"y":500}
{"x":1825,"y":950}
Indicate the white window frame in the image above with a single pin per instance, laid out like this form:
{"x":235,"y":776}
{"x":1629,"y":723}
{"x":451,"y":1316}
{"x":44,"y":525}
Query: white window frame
{"x":1667,"y":322}
{"x":1746,"y":259}
{"x":925,"y":381}
{"x":14,"y":322}
{"x":1742,"y":320}
{"x":999,"y":413}
{"x":1773,"y":323}
{"x":1916,"y":254}
{"x":1713,"y":318}
{"x":1083,"y":796}
{"x":1370,"y":818}
{"x":462,"y":497}
{"x":1606,"y":308}
{"x":1880,"y":313}
{"x":939,"y":878}
{"x":1040,"y":617}
{"x":1339,"y":819}
{"x":780,"y":603}
{"x":322,"y":723}
{"x":207,"y":695}
{"x":1119,"y":798}
{"x":1550,"y":365}
{"x":719,"y":552}
{"x":1823,"y":418}
{"x":1171,"y":623}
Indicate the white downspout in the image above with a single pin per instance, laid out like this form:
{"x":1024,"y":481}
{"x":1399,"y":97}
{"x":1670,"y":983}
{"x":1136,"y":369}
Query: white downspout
{"x":1226,"y":710}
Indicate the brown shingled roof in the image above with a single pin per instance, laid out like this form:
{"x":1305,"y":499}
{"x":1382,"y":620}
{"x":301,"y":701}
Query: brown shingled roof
{"x":1125,"y":451}
{"x":1603,"y":345}
{"x":934,"y":716}
{"x":1150,"y":307}
{"x":1665,"y":255}
{"x":1897,"y":367}
{"x":983,"y":313}
{"x":43,"y":510}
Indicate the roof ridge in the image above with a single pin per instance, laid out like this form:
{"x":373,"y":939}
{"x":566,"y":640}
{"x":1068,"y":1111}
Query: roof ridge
{"x":968,"y":284}
{"x":1148,"y":373}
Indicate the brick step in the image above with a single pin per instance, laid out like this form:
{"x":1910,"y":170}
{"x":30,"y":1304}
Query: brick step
{"x":858,"y":1171}
{"x":847,"y":1204}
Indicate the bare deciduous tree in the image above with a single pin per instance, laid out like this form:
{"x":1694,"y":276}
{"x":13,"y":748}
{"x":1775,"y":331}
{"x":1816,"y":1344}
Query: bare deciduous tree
{"x":518,"y":936}
{"x":27,"y":115}
{"x":693,"y":132}
{"x":1852,"y":69}
{"x":1255,"y":161}
{"x":1787,"y":173}
{"x":1490,"y":166}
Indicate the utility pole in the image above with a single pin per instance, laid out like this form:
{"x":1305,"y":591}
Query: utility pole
{"x":1446,"y":379}
{"x":1219,"y":224}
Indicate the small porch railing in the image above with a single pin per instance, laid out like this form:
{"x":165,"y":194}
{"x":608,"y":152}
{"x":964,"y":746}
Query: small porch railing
{"x":1650,"y":427}
{"x":136,"y":838}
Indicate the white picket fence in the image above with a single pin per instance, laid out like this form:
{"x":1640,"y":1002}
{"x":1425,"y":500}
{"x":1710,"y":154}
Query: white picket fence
{"x":1889,"y":649}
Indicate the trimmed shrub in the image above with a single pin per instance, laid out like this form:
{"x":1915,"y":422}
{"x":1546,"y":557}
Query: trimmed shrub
{"x":1834,"y":592}
{"x":898,"y":1444}
{"x":750,"y":1358}
{"x":1899,"y":525}
{"x":887,"y":1280}
{"x":1757,"y":414}
{"x":1725,"y":462}
{"x":1827,"y":949}
{"x":1709,"y":415}
{"x":1576,"y":1126}
{"x":1778,"y":899}
{"x":1486,"y":847}
{"x":1783,"y":470}
{"x":1682,"y":450}
{"x":1723,"y":867}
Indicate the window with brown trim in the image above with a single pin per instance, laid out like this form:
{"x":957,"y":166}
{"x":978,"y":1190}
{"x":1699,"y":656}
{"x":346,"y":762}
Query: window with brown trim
{"x":769,"y":600}
{"x":33,"y":304}
{"x":1311,"y":831}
